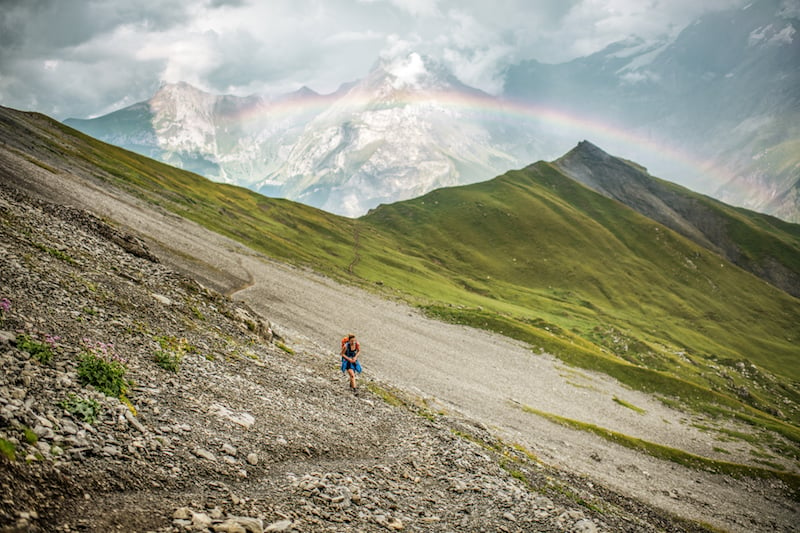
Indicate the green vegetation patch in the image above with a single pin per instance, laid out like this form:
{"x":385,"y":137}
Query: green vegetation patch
{"x":171,"y":352}
{"x":85,"y":409}
{"x":672,"y":454}
{"x":630,"y":406}
{"x":385,"y":394}
{"x":100,"y":367}
{"x":58,"y":254}
{"x":42,"y":351}
{"x":8,"y":449}
{"x":285,"y":348}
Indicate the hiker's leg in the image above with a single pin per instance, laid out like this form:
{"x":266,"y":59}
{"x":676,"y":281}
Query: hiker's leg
{"x":352,"y":376}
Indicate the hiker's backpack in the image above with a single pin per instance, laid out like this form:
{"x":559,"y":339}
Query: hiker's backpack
{"x":344,"y":341}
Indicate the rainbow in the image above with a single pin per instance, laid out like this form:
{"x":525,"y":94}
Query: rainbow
{"x":662,"y":158}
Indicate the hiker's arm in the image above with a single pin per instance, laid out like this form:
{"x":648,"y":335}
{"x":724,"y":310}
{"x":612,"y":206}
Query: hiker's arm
{"x":344,"y":356}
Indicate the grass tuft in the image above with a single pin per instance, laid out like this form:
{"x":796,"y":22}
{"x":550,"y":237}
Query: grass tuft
{"x":630,"y":406}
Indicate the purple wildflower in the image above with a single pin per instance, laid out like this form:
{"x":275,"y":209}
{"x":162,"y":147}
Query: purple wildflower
{"x":51,"y":340}
{"x":103,"y":350}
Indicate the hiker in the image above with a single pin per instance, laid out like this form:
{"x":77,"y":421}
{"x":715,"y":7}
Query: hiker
{"x":350,"y":364}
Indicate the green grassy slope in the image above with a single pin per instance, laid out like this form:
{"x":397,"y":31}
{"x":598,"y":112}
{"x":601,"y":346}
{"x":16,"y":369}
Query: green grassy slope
{"x":280,"y":228}
{"x":531,"y":254}
{"x":761,"y":244}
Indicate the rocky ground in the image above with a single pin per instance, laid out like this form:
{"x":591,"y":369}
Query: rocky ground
{"x":225,"y":426}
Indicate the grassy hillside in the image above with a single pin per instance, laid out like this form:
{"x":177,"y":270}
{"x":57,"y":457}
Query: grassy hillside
{"x":538,"y":256}
{"x":531,"y":254}
{"x":282,"y":229}
{"x":761,"y":244}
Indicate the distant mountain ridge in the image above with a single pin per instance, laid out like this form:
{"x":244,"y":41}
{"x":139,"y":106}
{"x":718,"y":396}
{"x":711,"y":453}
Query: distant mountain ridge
{"x":392,"y":135}
{"x":723,"y":95}
{"x":226,"y":138}
{"x":735,"y":234}
{"x":725,"y":91}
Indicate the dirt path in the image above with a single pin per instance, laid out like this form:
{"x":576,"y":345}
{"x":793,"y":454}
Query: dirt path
{"x":482,"y":376}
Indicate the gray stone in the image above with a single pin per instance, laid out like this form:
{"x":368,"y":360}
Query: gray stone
{"x":205,"y":454}
{"x":160,"y":298}
{"x":281,"y":525}
{"x":584,"y":525}
{"x":230,"y":450}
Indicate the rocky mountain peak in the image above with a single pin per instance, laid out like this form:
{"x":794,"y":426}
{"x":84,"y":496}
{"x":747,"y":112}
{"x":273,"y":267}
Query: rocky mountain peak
{"x":411,"y":72}
{"x":181,"y":92}
{"x":587,"y":150}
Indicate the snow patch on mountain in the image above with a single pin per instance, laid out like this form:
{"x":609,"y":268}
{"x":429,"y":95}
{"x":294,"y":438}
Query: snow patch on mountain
{"x":184,"y":118}
{"x":635,"y":70}
{"x":770,"y":35}
{"x":407,"y":72}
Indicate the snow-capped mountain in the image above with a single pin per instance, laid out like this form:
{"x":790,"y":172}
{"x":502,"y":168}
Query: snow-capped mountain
{"x":405,"y":129}
{"x":408,"y":127}
{"x":225,"y":138}
{"x":715,"y":108}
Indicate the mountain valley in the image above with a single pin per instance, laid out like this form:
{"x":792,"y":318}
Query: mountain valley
{"x":601,"y":321}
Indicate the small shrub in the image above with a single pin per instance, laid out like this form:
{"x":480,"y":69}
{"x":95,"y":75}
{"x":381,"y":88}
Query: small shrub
{"x":8,"y":449}
{"x":170,"y":355}
{"x":30,"y":436}
{"x":196,"y":312}
{"x":82,"y":408}
{"x":168,"y":360}
{"x":100,"y":367}
{"x":42,"y":351}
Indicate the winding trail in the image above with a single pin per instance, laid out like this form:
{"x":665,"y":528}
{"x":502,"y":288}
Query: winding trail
{"x":356,"y":244}
{"x":471,"y":373}
{"x":248,"y":282}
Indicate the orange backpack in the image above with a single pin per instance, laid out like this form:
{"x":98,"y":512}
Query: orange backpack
{"x":344,"y":341}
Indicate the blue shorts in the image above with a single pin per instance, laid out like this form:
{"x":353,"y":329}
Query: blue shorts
{"x":348,"y":365}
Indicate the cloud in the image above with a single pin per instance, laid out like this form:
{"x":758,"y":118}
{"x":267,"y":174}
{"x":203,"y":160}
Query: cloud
{"x":407,"y":71}
{"x":591,"y":25}
{"x":79,"y":57}
{"x":643,"y":76}
{"x":414,"y":7}
{"x":353,"y":36}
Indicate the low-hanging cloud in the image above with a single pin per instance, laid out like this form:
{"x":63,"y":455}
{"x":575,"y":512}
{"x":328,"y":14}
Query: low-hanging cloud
{"x":82,"y":58}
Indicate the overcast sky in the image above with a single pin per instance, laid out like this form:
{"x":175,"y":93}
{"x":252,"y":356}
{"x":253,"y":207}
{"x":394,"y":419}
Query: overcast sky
{"x":78,"y":58}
